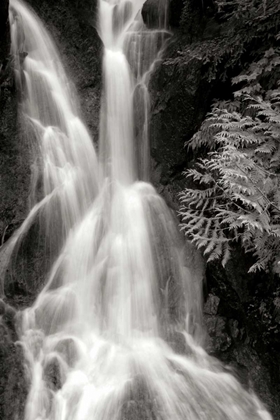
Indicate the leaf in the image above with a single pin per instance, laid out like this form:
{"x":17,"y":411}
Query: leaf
{"x":226,"y":255}
{"x":236,"y":197}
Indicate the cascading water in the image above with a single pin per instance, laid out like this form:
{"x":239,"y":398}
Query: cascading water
{"x":64,"y":172}
{"x":98,"y":339}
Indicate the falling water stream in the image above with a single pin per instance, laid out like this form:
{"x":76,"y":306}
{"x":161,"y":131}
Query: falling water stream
{"x":99,"y":339}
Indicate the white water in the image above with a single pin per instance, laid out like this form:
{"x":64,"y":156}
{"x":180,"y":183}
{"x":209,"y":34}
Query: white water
{"x":65,"y":169}
{"x":98,"y":340}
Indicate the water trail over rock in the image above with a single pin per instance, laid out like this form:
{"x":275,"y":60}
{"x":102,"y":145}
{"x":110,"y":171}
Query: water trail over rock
{"x":99,"y":340}
{"x":65,"y":164}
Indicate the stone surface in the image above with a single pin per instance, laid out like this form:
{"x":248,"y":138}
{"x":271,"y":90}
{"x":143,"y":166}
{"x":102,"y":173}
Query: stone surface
{"x":14,"y":155}
{"x":219,"y":340}
{"x":53,"y":374}
{"x":14,"y":177}
{"x":180,"y":96}
{"x":13,"y":385}
{"x":68,"y":350}
{"x":155,"y":13}
{"x":247,"y":318}
{"x":211,"y":305}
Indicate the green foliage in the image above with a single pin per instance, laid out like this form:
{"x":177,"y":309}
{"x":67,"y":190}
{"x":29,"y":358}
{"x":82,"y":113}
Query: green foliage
{"x":236,"y":197}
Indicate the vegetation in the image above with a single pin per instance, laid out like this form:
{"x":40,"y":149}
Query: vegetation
{"x":236,"y":197}
{"x":236,"y":28}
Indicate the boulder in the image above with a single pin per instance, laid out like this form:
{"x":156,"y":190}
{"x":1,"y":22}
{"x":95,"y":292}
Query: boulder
{"x":13,"y":384}
{"x":155,"y":13}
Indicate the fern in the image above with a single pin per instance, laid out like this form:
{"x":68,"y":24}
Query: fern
{"x":237,"y":197}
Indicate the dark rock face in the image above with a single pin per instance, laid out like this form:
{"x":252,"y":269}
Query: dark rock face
{"x":68,"y":351}
{"x":13,"y":386}
{"x":155,"y":13}
{"x":53,"y":374}
{"x":235,"y":343}
{"x":14,"y":164}
{"x":14,"y":155}
{"x":178,"y":108}
{"x":246,"y":317}
{"x":14,"y":186}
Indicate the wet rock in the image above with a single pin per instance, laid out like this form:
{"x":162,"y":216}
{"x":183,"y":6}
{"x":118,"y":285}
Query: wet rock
{"x":211,"y":305}
{"x":35,"y":341}
{"x":258,"y":377}
{"x":14,"y":165}
{"x":140,"y":403}
{"x":14,"y":150}
{"x":236,"y":275}
{"x":138,"y":410}
{"x":10,"y":314}
{"x":28,"y":265}
{"x":178,"y":343}
{"x":234,"y":330}
{"x":276,"y":303}
{"x":180,"y":96}
{"x":219,"y":340}
{"x":247,"y":305}
{"x":139,"y":388}
{"x":239,"y":372}
{"x":155,"y":13}
{"x":53,"y":374}
{"x":68,"y":350}
{"x":2,"y":307}
{"x":13,"y":385}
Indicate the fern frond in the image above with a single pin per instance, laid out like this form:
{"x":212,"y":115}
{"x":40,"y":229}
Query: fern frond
{"x":237,"y":198}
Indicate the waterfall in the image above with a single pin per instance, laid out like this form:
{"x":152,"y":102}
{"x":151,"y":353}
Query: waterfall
{"x":64,"y":171}
{"x":100,"y":339}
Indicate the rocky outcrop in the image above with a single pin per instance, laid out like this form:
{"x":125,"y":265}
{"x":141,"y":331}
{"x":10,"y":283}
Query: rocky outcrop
{"x":155,"y":12}
{"x":178,"y":108}
{"x":14,"y":186}
{"x":242,"y":319}
{"x":13,"y":386}
{"x":14,"y":155}
{"x":241,"y":310}
{"x":232,"y":339}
